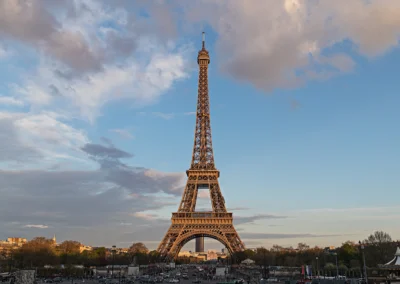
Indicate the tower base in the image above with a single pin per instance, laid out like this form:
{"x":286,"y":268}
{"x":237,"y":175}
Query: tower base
{"x":192,"y":225}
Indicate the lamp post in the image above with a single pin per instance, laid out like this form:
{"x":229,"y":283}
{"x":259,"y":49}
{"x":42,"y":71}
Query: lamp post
{"x":264,"y":264}
{"x":364,"y":266}
{"x":113,"y":259}
{"x":316,"y":258}
{"x":10,"y":261}
{"x":337,"y":267}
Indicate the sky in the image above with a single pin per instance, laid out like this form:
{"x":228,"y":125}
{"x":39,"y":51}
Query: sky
{"x":97,"y":102}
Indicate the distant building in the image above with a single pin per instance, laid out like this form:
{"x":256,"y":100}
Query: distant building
{"x":17,"y":241}
{"x":185,"y":254}
{"x":11,"y":243}
{"x":122,"y":250}
{"x":83,"y":248}
{"x":252,"y":249}
{"x":329,"y":249}
{"x":212,"y":254}
{"x":221,"y":255}
{"x":202,"y":256}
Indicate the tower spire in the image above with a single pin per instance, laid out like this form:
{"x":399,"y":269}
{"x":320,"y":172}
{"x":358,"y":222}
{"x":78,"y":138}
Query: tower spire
{"x":203,"y":157}
{"x":204,"y":40}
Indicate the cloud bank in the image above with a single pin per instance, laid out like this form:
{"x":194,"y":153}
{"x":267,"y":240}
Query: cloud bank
{"x":65,"y":61}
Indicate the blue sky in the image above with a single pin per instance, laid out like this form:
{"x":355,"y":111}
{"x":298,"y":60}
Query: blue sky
{"x":96,"y":116}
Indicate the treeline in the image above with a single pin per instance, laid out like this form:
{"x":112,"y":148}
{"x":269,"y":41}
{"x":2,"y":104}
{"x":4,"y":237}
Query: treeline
{"x":379,"y":248}
{"x":41,"y":251}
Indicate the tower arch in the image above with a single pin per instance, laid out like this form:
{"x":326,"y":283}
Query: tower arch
{"x":182,"y":240}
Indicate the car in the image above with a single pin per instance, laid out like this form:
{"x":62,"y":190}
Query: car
{"x":196,"y":281}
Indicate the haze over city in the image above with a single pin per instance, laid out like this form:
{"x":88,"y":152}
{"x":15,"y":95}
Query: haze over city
{"x":97,"y":117}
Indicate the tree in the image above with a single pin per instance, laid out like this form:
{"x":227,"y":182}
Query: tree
{"x":276,"y":248}
{"x":39,"y":243}
{"x":348,"y":252}
{"x":263,"y":257}
{"x":303,"y":247}
{"x":153,"y":256}
{"x":378,"y":237}
{"x":379,"y":248}
{"x":137,"y":248}
{"x":355,"y":263}
{"x":37,"y":252}
{"x":70,"y":247}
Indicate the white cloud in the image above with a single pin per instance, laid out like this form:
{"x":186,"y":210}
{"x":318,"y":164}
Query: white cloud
{"x":274,"y":44}
{"x":40,"y":140}
{"x":47,"y":128}
{"x":10,"y":101}
{"x":146,"y":216}
{"x":33,"y":94}
{"x":84,"y":64}
{"x":123,"y":133}
{"x":350,"y":210}
{"x":36,"y":226}
{"x":141,"y":84}
{"x":163,"y":115}
{"x":204,"y":194}
{"x":4,"y":53}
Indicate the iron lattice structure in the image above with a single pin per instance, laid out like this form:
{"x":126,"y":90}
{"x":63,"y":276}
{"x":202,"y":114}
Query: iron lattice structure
{"x":187,"y":224}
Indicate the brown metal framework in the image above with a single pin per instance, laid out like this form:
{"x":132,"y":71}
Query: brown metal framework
{"x":187,"y":224}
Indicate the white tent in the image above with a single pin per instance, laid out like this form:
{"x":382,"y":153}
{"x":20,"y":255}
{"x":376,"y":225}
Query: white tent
{"x":396,"y":259}
{"x":248,"y":261}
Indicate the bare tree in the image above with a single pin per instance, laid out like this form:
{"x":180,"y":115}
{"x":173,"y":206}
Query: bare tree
{"x":378,"y":237}
{"x":379,"y":248}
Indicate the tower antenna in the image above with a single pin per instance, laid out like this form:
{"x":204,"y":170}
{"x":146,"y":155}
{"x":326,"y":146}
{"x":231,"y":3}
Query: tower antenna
{"x":204,"y":40}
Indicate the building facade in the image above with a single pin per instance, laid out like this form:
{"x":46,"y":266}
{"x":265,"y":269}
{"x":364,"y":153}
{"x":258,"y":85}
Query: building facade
{"x":6,"y":246}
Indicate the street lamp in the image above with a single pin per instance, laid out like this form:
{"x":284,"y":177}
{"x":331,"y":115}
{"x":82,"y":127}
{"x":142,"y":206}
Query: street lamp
{"x":365,"y":266}
{"x":264,"y":263}
{"x":10,"y":261}
{"x":316,"y":258}
{"x":337,"y":267}
{"x":113,"y":259}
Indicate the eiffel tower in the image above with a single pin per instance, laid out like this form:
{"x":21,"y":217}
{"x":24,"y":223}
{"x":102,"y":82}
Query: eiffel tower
{"x":188,"y":224}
